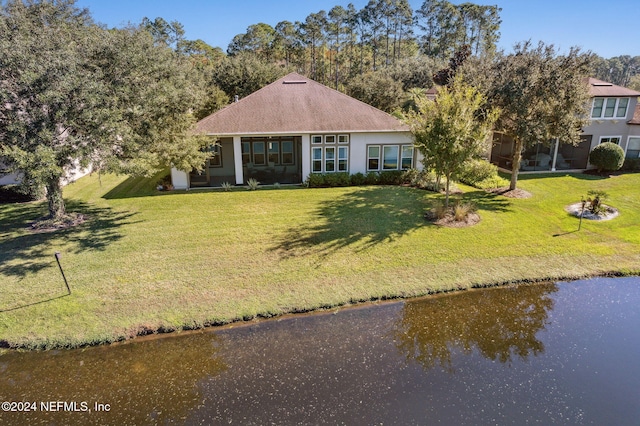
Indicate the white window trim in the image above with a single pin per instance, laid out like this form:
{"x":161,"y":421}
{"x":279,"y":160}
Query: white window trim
{"x":346,"y":148}
{"x":615,"y":108}
{"x":327,"y":159}
{"x":609,"y":137}
{"x":626,"y":148}
{"x":313,"y":139}
{"x":378,"y":158}
{"x":413,"y":153}
{"x":345,"y":139}
{"x":398,"y":156}
{"x":314,"y":160}
{"x":331,"y":139}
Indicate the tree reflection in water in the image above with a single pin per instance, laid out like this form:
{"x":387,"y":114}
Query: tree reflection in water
{"x":500,"y":323}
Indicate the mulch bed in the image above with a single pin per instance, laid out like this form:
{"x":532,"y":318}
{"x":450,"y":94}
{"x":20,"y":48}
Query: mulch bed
{"x":450,"y":221}
{"x":48,"y":225}
{"x":607,"y":214}
{"x":516,"y":193}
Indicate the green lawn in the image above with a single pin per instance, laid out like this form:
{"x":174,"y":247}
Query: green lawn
{"x":146,"y":261}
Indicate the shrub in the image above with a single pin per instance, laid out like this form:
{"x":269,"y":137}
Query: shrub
{"x":358,"y":179}
{"x":336,"y":179}
{"x":17,"y":194}
{"x":631,"y":164}
{"x":595,"y":201}
{"x":476,"y":171}
{"x":315,"y":180}
{"x":252,"y":184}
{"x":492,"y":182}
{"x":226,"y":186}
{"x":462,"y":209}
{"x":409,"y":176}
{"x":426,"y":180}
{"x":372,"y":178}
{"x":607,"y":156}
{"x":390,"y":177}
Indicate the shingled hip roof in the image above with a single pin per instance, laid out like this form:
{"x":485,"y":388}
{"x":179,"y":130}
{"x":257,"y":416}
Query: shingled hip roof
{"x":296,"y":104}
{"x":599,"y":88}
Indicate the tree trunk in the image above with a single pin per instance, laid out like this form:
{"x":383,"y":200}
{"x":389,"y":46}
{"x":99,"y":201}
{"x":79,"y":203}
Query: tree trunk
{"x":446,"y":193}
{"x":54,"y":197}
{"x":515,"y":164}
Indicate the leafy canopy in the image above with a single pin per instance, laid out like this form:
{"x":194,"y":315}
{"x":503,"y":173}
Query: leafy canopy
{"x":73,"y":92}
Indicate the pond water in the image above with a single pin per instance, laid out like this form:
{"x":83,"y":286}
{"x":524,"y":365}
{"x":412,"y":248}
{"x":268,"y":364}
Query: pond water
{"x":565,"y":353}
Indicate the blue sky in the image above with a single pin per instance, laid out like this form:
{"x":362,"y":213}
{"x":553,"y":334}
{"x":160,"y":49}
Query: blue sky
{"x":607,"y":28}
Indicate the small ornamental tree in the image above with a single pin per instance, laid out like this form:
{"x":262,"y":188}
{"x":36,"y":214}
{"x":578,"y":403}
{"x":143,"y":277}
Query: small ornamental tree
{"x":607,"y":156}
{"x":451,"y":130}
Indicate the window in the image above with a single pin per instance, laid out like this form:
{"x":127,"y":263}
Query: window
{"x":612,"y":139}
{"x":216,"y":159}
{"x":287,"y":152}
{"x":330,"y":139}
{"x":609,"y":107}
{"x":407,"y":157}
{"x":330,"y":159}
{"x":316,"y":160}
{"x":373,"y":157}
{"x":316,"y":139}
{"x":343,"y":138}
{"x":633,"y":147}
{"x":246,"y":153}
{"x":343,"y":158}
{"x":258,"y":153}
{"x":390,"y":157}
{"x":274,"y":152}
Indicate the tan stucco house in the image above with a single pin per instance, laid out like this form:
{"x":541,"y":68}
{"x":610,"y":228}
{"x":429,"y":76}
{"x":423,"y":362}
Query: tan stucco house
{"x":294,"y":127}
{"x":614,"y":117}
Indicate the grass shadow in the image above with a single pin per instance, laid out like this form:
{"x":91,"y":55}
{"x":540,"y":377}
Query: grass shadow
{"x":366,"y":217}
{"x":26,"y":305}
{"x":135,"y":187}
{"x":23,"y":251}
{"x":488,"y":201}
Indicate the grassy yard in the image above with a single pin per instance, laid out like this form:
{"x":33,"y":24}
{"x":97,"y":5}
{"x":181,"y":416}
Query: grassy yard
{"x":148,"y":261}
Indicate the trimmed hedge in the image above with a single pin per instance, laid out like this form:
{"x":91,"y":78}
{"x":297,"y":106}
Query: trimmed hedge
{"x":607,"y":156}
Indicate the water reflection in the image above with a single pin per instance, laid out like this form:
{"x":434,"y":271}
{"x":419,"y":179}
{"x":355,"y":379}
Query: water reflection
{"x":499,"y":323}
{"x":150,"y":381}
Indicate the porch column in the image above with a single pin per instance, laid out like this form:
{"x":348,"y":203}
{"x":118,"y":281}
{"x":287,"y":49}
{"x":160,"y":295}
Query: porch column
{"x":555,"y":155}
{"x":237,"y":159}
{"x":306,"y":156}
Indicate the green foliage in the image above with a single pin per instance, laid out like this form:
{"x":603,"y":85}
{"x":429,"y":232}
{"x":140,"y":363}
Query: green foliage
{"x":452,"y":130}
{"x":607,"y":156}
{"x":595,"y":199}
{"x":391,"y":177}
{"x":226,"y":186}
{"x":73,"y":91}
{"x":252,"y":184}
{"x":541,"y":95}
{"x":378,"y":89}
{"x":424,"y":179}
{"x":244,"y":74}
{"x":631,"y":164}
{"x":358,"y":179}
{"x":462,"y":209}
{"x":372,"y":178}
{"x":476,"y":170}
{"x":328,"y":180}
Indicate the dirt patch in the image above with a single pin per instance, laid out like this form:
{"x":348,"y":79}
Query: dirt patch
{"x":607,"y":213}
{"x":50,"y":225}
{"x":505,"y":191}
{"x":450,"y":221}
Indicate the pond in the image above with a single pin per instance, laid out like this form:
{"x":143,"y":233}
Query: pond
{"x":564,"y":353}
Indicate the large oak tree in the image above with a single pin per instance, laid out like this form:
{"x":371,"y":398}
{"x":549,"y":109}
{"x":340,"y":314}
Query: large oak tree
{"x":73,"y":92}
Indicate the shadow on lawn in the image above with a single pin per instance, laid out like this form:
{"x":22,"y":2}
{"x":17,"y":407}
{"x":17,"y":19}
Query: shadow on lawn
{"x":368,"y":217}
{"x":23,"y":251}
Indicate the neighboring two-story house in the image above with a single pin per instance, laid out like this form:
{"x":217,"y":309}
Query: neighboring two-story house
{"x":615,"y":117}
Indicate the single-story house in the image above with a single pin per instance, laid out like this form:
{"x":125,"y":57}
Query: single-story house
{"x":294,"y":127}
{"x":71,"y":175}
{"x":614,"y":117}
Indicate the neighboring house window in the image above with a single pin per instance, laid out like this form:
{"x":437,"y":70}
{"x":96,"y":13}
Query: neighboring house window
{"x":343,"y":138}
{"x":330,"y":159}
{"x":609,"y":107}
{"x":612,"y":139}
{"x":330,"y":139}
{"x":274,"y":152}
{"x":216,"y":160}
{"x":316,"y":139}
{"x":316,"y":160}
{"x":343,"y":158}
{"x":287,"y":152}
{"x":373,"y":157}
{"x":633,"y":147}
{"x":407,"y":157}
